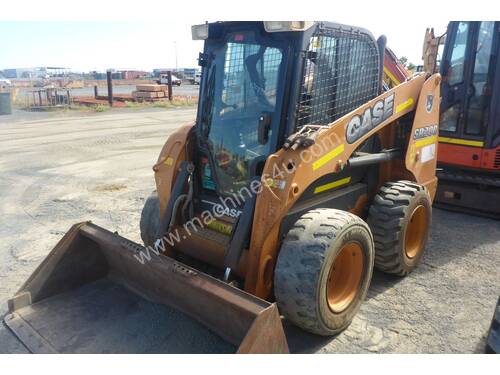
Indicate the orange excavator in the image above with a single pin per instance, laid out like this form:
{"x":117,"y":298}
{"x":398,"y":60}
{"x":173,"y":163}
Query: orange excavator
{"x":469,"y":130}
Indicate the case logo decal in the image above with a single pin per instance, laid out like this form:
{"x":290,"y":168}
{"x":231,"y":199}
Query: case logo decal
{"x":359,"y":125}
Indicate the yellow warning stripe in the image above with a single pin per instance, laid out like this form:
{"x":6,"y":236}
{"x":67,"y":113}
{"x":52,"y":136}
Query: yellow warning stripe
{"x":464,"y":142}
{"x":332,"y":185}
{"x":426,"y":141}
{"x":406,"y":104}
{"x":327,"y":157}
{"x":220,"y":227}
{"x":391,"y":76}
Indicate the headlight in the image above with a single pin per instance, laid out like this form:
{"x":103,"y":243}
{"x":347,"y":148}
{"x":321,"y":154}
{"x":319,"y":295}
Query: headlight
{"x":279,"y":26}
{"x":199,"y":32}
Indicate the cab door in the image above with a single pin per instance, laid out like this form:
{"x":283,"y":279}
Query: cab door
{"x":468,"y":73}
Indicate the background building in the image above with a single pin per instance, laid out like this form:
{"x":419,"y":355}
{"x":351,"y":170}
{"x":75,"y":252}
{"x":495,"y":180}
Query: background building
{"x":34,"y":73}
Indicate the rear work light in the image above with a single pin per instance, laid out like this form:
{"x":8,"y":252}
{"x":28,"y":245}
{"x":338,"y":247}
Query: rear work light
{"x":199,"y":32}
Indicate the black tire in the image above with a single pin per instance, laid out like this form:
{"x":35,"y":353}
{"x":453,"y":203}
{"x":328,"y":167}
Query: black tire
{"x":493,"y":340}
{"x":400,"y":217}
{"x":150,"y":219}
{"x":302,"y":276}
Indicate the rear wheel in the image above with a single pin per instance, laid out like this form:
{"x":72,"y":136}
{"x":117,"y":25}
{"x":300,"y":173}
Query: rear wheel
{"x":399,"y":218}
{"x":150,"y":219}
{"x":324,"y":270}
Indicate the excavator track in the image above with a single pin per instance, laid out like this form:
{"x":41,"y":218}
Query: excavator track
{"x":468,"y":193}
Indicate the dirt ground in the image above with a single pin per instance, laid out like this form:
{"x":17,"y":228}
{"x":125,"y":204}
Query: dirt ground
{"x":59,"y":170}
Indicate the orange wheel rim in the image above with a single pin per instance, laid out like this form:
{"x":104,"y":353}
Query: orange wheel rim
{"x":345,"y":276}
{"x":416,"y":232}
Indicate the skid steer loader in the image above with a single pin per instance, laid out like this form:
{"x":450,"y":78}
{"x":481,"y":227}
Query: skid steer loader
{"x":299,"y":175}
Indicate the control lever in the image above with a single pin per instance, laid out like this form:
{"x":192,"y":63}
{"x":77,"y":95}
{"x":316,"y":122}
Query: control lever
{"x":264,"y":127}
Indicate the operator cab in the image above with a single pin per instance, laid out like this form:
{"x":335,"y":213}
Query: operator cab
{"x":262,"y":82}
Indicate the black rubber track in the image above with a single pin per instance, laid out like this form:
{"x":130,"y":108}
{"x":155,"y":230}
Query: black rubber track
{"x":389,"y":214}
{"x":303,"y":266}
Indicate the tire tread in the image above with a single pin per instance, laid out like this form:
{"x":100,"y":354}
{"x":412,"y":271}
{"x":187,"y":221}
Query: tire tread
{"x":300,"y":260}
{"x":386,"y":220}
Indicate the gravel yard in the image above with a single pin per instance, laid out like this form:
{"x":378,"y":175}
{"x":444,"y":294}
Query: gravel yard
{"x":59,"y":170}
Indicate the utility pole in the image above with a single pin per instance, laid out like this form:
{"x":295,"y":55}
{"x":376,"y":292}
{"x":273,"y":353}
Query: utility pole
{"x":176,"y":66}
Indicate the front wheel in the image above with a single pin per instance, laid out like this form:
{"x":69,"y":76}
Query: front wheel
{"x":150,"y":220}
{"x":324,"y":270}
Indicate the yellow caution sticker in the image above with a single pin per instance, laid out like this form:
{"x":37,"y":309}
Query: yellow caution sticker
{"x":220,"y":227}
{"x":169,"y":161}
{"x":332,"y":185}
{"x":327,"y":157}
{"x":426,"y":141}
{"x":405,"y":105}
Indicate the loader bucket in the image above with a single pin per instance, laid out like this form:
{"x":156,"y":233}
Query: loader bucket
{"x":92,"y":283}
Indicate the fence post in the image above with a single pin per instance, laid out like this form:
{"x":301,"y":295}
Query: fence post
{"x":169,"y":80}
{"x":110,"y":87}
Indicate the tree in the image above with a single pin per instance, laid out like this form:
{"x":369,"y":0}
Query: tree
{"x":407,"y":64}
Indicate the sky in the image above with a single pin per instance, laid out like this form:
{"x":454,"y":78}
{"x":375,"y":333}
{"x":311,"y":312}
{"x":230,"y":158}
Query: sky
{"x":145,"y":45}
{"x":85,"y":46}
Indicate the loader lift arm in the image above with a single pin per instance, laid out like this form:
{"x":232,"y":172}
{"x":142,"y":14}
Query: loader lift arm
{"x":408,"y":96}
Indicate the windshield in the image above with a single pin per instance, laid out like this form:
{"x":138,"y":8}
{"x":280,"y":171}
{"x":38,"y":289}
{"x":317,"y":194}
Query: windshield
{"x":243,"y":82}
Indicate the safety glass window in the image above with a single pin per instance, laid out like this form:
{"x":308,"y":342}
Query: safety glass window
{"x":246,"y":84}
{"x":480,"y":88}
{"x":455,"y":73}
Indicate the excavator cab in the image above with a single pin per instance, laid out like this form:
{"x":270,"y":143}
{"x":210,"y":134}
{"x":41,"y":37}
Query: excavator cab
{"x":469,"y":142}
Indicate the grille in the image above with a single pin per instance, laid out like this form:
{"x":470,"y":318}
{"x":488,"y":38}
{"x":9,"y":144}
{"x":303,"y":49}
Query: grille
{"x":497,"y":159}
{"x":341,"y":72}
